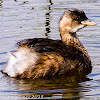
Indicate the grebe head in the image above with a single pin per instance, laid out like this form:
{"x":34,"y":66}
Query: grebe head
{"x":73,"y":20}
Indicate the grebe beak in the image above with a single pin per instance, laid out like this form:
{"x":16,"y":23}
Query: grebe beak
{"x":88,"y":23}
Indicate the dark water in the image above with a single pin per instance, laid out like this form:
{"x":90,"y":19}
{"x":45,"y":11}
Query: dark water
{"x":20,"y":19}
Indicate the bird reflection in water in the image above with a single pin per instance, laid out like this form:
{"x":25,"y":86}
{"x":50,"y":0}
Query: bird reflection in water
{"x":64,"y":87}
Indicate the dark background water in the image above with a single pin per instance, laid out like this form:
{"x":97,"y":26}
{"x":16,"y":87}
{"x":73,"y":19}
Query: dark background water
{"x":20,"y":19}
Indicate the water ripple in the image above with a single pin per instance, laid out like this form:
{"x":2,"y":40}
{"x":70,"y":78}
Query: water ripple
{"x":2,"y":63}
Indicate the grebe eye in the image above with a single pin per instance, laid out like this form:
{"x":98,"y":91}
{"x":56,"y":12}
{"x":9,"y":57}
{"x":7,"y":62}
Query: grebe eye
{"x":77,"y":19}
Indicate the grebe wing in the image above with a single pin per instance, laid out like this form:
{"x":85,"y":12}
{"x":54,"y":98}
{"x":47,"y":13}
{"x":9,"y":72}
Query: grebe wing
{"x":42,"y":44}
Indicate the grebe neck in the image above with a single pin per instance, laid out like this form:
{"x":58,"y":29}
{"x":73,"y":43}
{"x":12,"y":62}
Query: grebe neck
{"x":71,"y":39}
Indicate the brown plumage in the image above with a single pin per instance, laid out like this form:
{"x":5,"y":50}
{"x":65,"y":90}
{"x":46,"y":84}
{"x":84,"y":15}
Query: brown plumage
{"x":41,"y":57}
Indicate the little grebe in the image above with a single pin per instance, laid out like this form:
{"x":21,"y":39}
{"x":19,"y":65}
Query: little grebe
{"x":41,"y":57}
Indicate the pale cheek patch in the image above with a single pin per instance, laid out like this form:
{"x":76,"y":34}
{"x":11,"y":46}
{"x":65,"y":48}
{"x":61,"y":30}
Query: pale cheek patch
{"x":68,"y":28}
{"x":77,"y":28}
